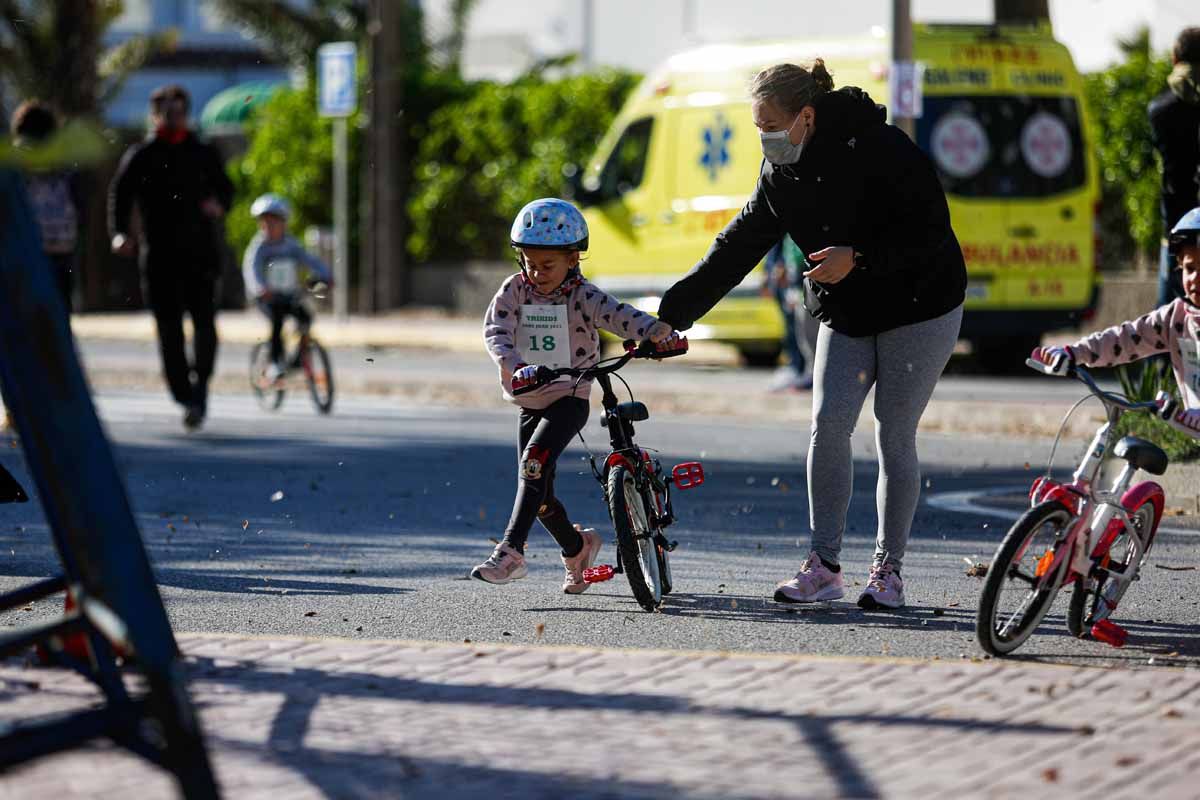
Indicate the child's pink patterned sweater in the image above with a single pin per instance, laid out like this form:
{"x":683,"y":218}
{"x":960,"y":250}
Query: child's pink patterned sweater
{"x":1173,"y":329}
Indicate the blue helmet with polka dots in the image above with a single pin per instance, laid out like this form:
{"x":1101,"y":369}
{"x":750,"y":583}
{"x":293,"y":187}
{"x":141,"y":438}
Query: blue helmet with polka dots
{"x":1185,"y":232}
{"x":550,"y":224}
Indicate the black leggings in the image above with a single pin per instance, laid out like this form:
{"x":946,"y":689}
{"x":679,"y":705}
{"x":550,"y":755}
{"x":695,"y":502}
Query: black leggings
{"x":279,"y":308}
{"x":544,"y":434}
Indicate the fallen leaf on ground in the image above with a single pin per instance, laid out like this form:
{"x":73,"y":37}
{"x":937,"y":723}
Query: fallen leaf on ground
{"x":493,"y":540}
{"x":245,"y":524}
{"x":1050,"y":775}
{"x":539,"y":629}
{"x":977,"y":570}
{"x":1127,"y":761}
{"x":308,"y":613}
{"x":506,"y":633}
{"x":1175,"y":569}
{"x":952,"y":605}
{"x":1171,"y":713}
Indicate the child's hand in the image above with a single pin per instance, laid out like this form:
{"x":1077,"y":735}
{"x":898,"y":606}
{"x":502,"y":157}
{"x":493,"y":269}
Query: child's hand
{"x":1049,"y":355}
{"x":660,"y":331}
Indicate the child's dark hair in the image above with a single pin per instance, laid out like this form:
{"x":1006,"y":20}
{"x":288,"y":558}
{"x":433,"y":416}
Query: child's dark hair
{"x":34,"y":120}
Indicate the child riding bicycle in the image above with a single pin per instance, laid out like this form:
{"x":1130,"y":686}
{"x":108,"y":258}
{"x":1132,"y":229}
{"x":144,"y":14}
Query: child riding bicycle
{"x":546,"y":316}
{"x":1173,"y":328}
{"x":271,"y":269}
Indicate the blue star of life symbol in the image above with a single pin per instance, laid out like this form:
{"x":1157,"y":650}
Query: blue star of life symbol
{"x":716,"y":146}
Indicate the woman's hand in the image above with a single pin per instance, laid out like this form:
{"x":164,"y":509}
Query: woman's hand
{"x":834,"y":264}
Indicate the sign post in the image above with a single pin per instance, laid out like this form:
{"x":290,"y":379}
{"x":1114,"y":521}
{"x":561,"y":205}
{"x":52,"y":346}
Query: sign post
{"x":337,"y":97}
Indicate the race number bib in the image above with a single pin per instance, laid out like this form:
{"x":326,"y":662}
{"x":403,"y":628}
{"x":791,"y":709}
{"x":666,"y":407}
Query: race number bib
{"x":282,"y":275}
{"x":543,"y":336}
{"x":1190,"y":350}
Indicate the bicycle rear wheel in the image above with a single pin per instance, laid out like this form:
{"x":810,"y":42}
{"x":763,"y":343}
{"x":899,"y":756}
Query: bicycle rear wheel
{"x":1018,"y":592}
{"x":269,"y":395}
{"x":635,"y":545}
{"x":1080,"y":615}
{"x":319,"y":374}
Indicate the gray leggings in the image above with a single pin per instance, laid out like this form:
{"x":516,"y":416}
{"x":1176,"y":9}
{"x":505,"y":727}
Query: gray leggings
{"x":903,"y":365}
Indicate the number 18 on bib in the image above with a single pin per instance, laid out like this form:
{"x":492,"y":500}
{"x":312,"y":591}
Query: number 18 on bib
{"x":543,"y":336}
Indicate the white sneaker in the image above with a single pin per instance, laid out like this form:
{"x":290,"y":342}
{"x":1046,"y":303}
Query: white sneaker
{"x":884,"y":589}
{"x":504,"y":565}
{"x":573,"y":582}
{"x":814,"y":583}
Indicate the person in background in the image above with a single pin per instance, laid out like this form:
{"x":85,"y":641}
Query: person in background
{"x":1175,"y":131}
{"x":782,"y":280}
{"x":271,"y":269}
{"x":179,"y":186}
{"x":53,"y":195}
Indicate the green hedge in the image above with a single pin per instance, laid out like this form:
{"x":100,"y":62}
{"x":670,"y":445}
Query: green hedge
{"x":1129,"y":168}
{"x":483,"y":158}
{"x":291,"y":153}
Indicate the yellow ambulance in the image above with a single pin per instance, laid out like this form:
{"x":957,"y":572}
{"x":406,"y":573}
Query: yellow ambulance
{"x":1002,"y":116}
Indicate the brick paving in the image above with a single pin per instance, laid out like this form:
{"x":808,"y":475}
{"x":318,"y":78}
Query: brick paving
{"x":330,"y":718}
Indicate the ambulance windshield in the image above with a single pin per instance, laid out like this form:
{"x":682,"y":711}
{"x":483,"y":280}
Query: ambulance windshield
{"x":1004,"y":146}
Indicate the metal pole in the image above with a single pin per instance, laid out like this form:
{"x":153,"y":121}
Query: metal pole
{"x":341,"y":220}
{"x":902,"y":53}
{"x":589,"y":33}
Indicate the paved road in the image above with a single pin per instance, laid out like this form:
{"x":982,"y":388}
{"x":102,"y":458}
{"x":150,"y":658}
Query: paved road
{"x":302,"y":718}
{"x":385,"y":507}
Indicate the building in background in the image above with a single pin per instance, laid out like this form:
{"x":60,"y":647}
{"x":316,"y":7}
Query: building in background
{"x":212,"y":55}
{"x":506,"y":37}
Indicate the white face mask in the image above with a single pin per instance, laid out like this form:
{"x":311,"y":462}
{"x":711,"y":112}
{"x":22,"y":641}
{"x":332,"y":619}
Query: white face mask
{"x":777,"y":147}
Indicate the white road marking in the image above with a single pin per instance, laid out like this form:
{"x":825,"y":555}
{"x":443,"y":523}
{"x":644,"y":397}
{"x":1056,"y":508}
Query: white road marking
{"x":968,"y":502}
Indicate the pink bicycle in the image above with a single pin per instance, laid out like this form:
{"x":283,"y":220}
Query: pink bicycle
{"x":1077,"y":533}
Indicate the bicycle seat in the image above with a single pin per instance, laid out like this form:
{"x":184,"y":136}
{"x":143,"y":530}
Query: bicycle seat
{"x":633,"y":410}
{"x":1142,"y":454}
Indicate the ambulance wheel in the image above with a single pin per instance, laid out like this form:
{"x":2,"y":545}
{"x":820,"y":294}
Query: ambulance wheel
{"x":1004,"y":355}
{"x":761,"y":356}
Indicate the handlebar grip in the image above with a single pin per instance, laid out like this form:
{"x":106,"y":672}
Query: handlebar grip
{"x":649,"y":349}
{"x":541,"y":376}
{"x":1060,"y":367}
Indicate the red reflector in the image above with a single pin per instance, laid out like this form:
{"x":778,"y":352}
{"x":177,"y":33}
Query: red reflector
{"x":688,"y":475}
{"x":598,"y":573}
{"x":1110,"y":633}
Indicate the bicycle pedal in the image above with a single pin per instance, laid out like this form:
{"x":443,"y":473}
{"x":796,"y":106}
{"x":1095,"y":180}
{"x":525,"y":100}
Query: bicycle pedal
{"x":1110,"y":633}
{"x":598,"y":573}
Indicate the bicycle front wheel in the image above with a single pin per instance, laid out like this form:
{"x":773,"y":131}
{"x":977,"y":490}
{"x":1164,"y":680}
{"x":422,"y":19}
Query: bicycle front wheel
{"x":1018,"y":590}
{"x":269,"y":394}
{"x":635,"y":545}
{"x":319,"y":374}
{"x":1082,"y":613}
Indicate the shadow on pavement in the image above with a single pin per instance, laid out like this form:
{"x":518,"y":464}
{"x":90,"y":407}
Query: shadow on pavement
{"x":337,"y":773}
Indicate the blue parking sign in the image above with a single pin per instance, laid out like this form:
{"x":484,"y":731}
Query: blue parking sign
{"x":336,"y":91}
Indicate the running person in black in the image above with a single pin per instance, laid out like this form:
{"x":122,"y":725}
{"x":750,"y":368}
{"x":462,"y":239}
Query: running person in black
{"x":180,"y":189}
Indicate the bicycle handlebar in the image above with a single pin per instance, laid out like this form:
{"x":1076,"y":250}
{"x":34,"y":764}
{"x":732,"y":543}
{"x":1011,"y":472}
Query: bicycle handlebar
{"x":646,"y":349}
{"x":1081,"y":373}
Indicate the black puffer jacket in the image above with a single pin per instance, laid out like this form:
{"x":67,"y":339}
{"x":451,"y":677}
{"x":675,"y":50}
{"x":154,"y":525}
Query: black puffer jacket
{"x":860,"y":182}
{"x":1175,"y":130}
{"x":168,"y":182}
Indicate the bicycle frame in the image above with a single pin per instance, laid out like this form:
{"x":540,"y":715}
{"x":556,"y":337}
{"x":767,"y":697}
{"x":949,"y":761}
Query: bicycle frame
{"x":1100,"y":515}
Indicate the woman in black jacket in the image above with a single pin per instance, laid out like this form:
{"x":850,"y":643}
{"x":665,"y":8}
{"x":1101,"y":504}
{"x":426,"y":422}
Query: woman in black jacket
{"x":886,"y":278}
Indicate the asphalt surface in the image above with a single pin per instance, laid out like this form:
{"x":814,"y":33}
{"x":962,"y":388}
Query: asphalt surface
{"x":366,"y":523}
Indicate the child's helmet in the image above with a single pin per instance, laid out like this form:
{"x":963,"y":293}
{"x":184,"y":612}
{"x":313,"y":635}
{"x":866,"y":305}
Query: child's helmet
{"x":1185,"y":232}
{"x":550,"y":224}
{"x":270,"y":203}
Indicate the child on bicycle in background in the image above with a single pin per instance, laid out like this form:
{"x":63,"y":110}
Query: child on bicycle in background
{"x":1173,"y":328}
{"x":547,"y":316}
{"x":271,"y":269}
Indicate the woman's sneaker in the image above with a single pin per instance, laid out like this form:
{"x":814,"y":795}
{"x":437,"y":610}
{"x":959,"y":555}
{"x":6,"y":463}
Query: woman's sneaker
{"x":504,"y":565}
{"x":814,"y":583}
{"x":884,"y":589}
{"x":573,"y":582}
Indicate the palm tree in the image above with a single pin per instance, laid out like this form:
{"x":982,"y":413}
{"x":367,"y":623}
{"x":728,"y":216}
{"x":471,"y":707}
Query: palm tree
{"x":52,"y":49}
